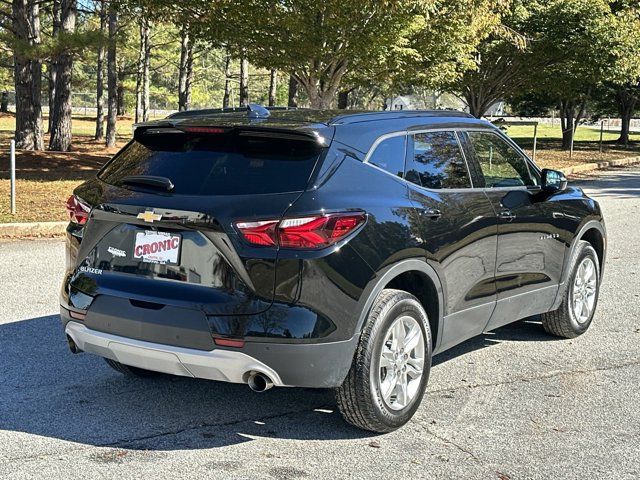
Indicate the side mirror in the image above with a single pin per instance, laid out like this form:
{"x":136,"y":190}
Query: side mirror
{"x":553,"y":180}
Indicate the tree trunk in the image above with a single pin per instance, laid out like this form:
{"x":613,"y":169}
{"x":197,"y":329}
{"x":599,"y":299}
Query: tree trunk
{"x":27,"y":76}
{"x":145,"y":74}
{"x":321,"y":83}
{"x":227,"y":80}
{"x":4,"y":102}
{"x":55,"y":10}
{"x":189,"y":82}
{"x":478,"y":101}
{"x":293,"y":92}
{"x":244,"y":81}
{"x":567,"y":111}
{"x":140,"y":72}
{"x":112,"y":77}
{"x":319,"y":98}
{"x":185,"y":71}
{"x":343,"y":99}
{"x":627,"y":101}
{"x":121,"y":109}
{"x":273,"y":85}
{"x":100,"y":75}
{"x":61,"y":116}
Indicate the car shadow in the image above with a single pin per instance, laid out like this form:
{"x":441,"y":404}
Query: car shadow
{"x":528,"y":330}
{"x":48,"y":391}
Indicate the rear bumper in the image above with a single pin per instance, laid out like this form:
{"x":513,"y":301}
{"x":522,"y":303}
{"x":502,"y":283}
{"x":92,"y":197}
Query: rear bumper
{"x":321,"y":365}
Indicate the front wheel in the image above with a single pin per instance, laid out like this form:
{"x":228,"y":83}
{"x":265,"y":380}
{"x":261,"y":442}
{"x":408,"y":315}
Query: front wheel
{"x":580,"y":296}
{"x":390,"y":369}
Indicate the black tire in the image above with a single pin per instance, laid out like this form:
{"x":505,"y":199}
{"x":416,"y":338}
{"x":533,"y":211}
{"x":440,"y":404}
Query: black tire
{"x":563,"y":321}
{"x":130,"y":371}
{"x":359,"y":398}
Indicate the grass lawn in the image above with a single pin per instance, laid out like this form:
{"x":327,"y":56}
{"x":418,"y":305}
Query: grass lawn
{"x":46,"y":179}
{"x":586,"y":145}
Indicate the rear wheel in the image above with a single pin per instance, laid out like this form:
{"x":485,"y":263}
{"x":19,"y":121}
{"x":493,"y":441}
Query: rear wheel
{"x":580,"y":297}
{"x":390,"y":369}
{"x":129,"y":370}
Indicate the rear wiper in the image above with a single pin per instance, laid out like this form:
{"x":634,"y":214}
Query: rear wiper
{"x":161,"y":183}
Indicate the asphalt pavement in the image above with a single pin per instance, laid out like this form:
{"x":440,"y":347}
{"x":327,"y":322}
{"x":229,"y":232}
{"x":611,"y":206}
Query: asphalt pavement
{"x":512,"y":404}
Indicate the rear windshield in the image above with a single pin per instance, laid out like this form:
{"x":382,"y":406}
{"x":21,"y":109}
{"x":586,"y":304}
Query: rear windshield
{"x":216,"y":164}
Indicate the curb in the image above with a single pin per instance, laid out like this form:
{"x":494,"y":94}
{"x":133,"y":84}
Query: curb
{"x":586,"y":167}
{"x":37,"y":229}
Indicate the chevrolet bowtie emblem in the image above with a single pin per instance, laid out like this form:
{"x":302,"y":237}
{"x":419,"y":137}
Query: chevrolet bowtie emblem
{"x":149,"y":216}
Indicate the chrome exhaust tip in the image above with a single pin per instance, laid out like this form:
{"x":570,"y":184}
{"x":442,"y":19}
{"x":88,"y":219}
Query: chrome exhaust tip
{"x":259,"y":382}
{"x":72,"y":345}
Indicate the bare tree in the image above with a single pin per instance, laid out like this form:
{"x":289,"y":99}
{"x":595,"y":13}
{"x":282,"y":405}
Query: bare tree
{"x":100,"y":74}
{"x":112,"y":77}
{"x":61,"y":115}
{"x":273,"y":80}
{"x":27,"y":75}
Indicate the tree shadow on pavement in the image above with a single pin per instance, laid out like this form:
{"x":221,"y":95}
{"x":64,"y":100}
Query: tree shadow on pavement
{"x":48,"y":391}
{"x":618,"y":183}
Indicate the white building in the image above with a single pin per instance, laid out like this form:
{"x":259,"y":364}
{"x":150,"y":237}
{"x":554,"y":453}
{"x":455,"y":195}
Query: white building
{"x":401,"y":102}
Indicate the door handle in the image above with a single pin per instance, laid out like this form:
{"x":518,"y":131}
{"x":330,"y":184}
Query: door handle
{"x":431,"y":213}
{"x":506,"y":215}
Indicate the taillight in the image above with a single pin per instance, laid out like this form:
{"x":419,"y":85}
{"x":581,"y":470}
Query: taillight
{"x":312,"y":232}
{"x":78,"y":210}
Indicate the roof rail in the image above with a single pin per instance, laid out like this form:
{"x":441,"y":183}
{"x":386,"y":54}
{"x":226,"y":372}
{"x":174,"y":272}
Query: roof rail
{"x":348,"y":118}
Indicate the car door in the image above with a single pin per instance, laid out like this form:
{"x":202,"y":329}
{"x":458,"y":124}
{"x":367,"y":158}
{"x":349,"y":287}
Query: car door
{"x":456,"y":228}
{"x":531,"y":247}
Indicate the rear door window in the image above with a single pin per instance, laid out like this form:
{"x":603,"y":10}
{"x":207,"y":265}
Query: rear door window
{"x":437,"y":162}
{"x":217,"y":164}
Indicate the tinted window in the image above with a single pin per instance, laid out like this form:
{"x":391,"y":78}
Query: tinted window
{"x":389,"y":155}
{"x":502,"y":165}
{"x":437,"y":161}
{"x":217,"y":164}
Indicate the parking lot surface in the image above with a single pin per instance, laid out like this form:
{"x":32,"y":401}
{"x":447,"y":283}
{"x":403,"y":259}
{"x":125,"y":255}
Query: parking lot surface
{"x":515,"y":403}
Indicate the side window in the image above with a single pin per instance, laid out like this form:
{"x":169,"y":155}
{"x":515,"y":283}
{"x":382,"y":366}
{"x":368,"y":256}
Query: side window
{"x":437,"y":161}
{"x":501,"y":164}
{"x":389,"y":155}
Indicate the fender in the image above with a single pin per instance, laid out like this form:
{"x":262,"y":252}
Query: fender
{"x":385,"y":275}
{"x":568,"y":259}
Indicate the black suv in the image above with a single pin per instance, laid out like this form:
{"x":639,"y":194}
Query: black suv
{"x":313,"y":249}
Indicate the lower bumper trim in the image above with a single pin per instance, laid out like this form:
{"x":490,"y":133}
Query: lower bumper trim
{"x":217,"y":364}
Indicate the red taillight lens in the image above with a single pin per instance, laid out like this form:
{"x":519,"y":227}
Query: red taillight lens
{"x":311,"y":232}
{"x":259,"y":233}
{"x":228,"y":342}
{"x":78,"y":210}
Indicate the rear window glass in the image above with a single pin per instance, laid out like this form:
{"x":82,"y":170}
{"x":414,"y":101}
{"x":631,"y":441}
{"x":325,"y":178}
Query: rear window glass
{"x":217,"y":164}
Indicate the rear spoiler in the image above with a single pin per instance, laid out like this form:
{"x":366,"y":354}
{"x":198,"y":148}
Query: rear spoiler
{"x":142,"y":132}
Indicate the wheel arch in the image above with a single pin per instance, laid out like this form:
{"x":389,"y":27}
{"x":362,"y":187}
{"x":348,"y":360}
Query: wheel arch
{"x":416,"y":277}
{"x":595,"y":234}
{"x":597,"y":240}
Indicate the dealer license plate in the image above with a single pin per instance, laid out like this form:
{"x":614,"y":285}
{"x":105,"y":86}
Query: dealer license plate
{"x":157,"y":247}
